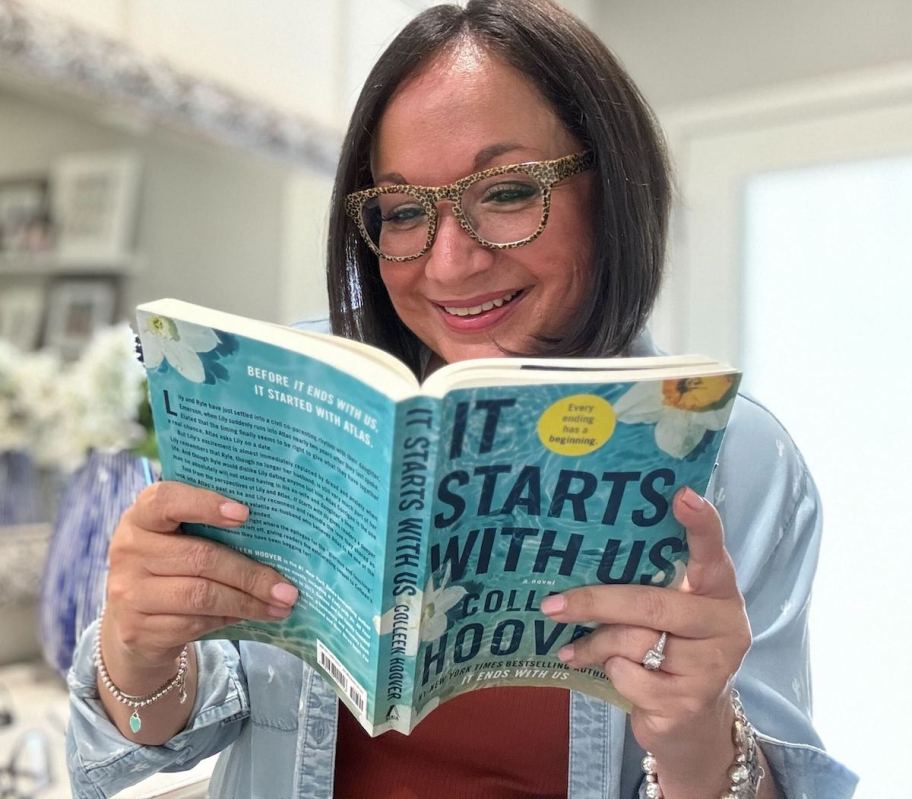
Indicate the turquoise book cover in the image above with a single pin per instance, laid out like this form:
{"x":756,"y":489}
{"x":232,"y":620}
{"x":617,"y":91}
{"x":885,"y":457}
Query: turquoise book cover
{"x":424,"y":527}
{"x":307,"y":448}
{"x":544,"y":488}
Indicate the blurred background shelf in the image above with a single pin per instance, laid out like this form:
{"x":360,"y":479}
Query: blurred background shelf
{"x":51,"y":264}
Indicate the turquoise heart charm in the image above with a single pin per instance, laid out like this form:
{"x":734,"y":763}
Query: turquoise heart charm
{"x":135,"y":722}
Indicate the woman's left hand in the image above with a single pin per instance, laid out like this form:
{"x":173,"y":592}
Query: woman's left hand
{"x":682,"y":712}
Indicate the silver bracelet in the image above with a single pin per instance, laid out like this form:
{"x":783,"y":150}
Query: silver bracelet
{"x":137,"y":702}
{"x":745,"y":773}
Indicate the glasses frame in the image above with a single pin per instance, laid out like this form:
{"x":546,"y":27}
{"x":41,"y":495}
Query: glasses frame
{"x":546,"y":173}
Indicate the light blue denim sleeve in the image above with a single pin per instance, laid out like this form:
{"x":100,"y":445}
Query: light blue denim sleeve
{"x":772,"y":517}
{"x":102,"y":762}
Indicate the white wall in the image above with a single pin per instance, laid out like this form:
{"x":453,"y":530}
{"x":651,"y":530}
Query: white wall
{"x":211,"y":228}
{"x":101,"y":16}
{"x":283,"y":52}
{"x":679,"y":52}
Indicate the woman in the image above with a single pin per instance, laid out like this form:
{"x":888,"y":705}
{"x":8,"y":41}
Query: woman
{"x":459,"y":93}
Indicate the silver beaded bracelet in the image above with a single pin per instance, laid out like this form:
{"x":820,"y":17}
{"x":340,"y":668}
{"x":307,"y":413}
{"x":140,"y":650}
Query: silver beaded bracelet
{"x":745,"y":773}
{"x":138,"y":702}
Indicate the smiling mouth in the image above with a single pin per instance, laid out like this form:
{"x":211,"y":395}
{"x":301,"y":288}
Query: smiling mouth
{"x":476,"y":310}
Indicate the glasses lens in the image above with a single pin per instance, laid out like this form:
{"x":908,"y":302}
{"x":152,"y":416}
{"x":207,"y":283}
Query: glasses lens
{"x":504,"y":209}
{"x":397,"y":224}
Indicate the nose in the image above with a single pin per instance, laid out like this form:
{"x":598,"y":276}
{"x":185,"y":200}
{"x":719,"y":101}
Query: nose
{"x":454,"y":256}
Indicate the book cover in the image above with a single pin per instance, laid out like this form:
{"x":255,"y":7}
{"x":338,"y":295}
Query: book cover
{"x":424,"y":525}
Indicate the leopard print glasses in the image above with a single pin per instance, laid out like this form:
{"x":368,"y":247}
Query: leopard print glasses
{"x":500,"y":208}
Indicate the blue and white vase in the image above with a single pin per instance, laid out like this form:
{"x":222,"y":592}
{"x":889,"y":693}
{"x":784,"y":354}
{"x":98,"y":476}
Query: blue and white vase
{"x":72,"y":586}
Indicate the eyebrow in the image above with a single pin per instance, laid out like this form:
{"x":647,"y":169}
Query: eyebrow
{"x":482,"y":158}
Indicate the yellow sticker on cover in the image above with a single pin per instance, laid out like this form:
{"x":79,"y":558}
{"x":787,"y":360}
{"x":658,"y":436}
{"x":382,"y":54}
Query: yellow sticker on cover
{"x":576,"y":425}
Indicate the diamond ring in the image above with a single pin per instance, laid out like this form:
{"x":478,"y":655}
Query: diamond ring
{"x":653,"y":659}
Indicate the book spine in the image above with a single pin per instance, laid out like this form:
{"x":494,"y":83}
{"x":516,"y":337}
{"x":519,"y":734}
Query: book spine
{"x":411,"y":499}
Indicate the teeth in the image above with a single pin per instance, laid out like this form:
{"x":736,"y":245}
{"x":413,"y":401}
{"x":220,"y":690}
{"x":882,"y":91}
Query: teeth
{"x":474,"y":310}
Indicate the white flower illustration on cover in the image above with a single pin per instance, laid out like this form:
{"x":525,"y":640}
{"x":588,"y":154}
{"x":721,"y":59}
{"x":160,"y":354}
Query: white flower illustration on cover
{"x":179,"y":343}
{"x":682,"y":410}
{"x":431,"y":620}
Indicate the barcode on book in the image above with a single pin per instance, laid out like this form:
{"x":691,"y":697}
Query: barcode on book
{"x":342,"y":678}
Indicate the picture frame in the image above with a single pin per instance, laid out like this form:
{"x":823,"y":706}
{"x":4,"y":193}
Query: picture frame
{"x":24,"y":214}
{"x":22,"y":315}
{"x":76,"y":310}
{"x":94,"y":200}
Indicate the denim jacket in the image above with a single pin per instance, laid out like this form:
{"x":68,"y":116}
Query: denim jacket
{"x":275,"y":748}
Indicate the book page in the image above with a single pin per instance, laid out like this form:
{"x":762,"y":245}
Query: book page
{"x":544,"y":488}
{"x":525,"y":371}
{"x":372,"y":365}
{"x":307,"y":448}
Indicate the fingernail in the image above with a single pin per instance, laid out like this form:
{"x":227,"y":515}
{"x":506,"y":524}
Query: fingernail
{"x":234,"y":511}
{"x":565,"y":653}
{"x":692,"y":499}
{"x":553,"y":604}
{"x":277,"y":612}
{"x":285,"y":593}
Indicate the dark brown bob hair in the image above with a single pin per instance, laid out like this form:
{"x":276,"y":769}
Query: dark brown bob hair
{"x":596,"y":101}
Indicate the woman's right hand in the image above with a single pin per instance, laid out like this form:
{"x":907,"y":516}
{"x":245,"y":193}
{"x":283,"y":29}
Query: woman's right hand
{"x":166,"y":588}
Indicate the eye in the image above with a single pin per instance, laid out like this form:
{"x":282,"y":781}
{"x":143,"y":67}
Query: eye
{"x":510,"y":192}
{"x":402,"y":215}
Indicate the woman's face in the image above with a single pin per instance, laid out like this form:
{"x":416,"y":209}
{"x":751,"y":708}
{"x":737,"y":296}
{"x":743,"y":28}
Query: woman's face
{"x":464,"y":112}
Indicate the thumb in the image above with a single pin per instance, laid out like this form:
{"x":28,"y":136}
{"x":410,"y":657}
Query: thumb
{"x":710,"y":571}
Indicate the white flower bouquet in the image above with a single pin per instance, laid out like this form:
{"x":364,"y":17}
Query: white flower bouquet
{"x":58,"y":412}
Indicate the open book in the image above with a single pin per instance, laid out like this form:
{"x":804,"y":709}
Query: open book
{"x":424,"y":523}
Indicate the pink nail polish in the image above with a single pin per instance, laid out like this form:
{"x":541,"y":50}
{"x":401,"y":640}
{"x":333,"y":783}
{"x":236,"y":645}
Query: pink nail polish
{"x":553,"y":604}
{"x":692,"y":499}
{"x":565,"y":653}
{"x":234,"y":511}
{"x":285,"y":593}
